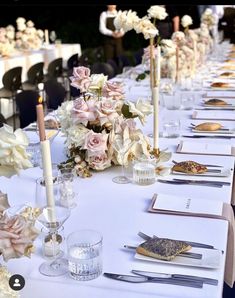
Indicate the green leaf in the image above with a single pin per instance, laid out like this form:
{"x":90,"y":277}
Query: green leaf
{"x":141,"y":76}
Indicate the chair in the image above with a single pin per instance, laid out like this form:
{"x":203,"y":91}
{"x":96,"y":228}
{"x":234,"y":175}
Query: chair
{"x":114,"y":65}
{"x":103,"y":67}
{"x":26,"y":102}
{"x":72,"y":61}
{"x":11,"y":83}
{"x":35,"y":76}
{"x":55,"y":93}
{"x":2,"y":120}
{"x":123,"y":61}
{"x":55,"y":69}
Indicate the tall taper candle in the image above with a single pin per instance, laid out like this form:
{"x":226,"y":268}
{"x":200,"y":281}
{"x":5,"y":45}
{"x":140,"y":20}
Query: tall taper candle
{"x":46,"y":34}
{"x":155,"y":94}
{"x":46,"y":163}
{"x":158,"y":64}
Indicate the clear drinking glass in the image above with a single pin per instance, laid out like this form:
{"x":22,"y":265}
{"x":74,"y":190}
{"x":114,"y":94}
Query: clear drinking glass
{"x":187,"y":100}
{"x":67,"y":193}
{"x":85,"y":254}
{"x":34,"y":150}
{"x":171,"y":127}
{"x":171,"y":101}
{"x":144,"y":171}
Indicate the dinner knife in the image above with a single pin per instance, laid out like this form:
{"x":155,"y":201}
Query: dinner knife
{"x":206,"y":280}
{"x":175,"y":182}
{"x":143,"y":279}
{"x":202,"y":181}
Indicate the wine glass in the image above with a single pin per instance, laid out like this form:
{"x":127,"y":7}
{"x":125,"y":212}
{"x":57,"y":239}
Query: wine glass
{"x":52,"y":218}
{"x":122,"y":146}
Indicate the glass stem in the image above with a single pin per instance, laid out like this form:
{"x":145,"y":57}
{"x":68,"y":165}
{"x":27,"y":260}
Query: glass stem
{"x":123,"y":174}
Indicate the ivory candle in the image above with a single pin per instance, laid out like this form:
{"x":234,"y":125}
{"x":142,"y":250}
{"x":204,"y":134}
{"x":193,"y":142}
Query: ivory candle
{"x":158,"y":64}
{"x":46,"y":34}
{"x":155,"y":95}
{"x":46,"y":162}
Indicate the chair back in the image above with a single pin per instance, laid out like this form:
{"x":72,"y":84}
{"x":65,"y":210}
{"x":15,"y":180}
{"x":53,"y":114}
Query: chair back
{"x":103,"y":67}
{"x":2,"y":120}
{"x":72,"y":61}
{"x":55,"y":94}
{"x":35,"y":73}
{"x":12,"y":79}
{"x":55,"y":68}
{"x":26,"y":102}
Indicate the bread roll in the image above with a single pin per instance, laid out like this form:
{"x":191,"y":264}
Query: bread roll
{"x":220,"y":85}
{"x":189,"y":167}
{"x":208,"y":126}
{"x":162,"y":248}
{"x":215,"y":102}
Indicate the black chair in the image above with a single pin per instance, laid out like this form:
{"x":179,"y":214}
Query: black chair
{"x":2,"y":120}
{"x":35,"y":76}
{"x":103,"y":67}
{"x":11,"y":84}
{"x":55,"y":94}
{"x":26,"y":102}
{"x":123,"y":61}
{"x":114,"y":65}
{"x":55,"y":69}
{"x":72,"y":61}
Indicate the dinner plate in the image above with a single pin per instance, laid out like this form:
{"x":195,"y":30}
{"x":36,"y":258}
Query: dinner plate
{"x":211,"y":259}
{"x":214,"y":132}
{"x":210,"y":107}
{"x":223,"y":173}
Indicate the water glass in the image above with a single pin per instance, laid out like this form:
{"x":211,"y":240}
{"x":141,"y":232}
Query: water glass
{"x":171,"y":127}
{"x":187,"y":100}
{"x":67,"y":194}
{"x":171,"y":101}
{"x":85,"y":254}
{"x":144,"y":171}
{"x":35,"y":154}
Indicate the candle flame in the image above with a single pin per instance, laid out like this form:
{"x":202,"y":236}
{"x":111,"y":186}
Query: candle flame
{"x":40,"y":99}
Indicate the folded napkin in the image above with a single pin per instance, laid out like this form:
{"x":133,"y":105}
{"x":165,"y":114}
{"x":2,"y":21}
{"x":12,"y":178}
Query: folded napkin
{"x":226,"y":214}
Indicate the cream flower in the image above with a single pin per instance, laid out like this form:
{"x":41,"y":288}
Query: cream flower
{"x":168,"y":47}
{"x":157,"y":12}
{"x":5,"y":290}
{"x":76,"y":135}
{"x":13,"y":155}
{"x":145,"y":27}
{"x":97,"y":81}
{"x":186,"y":21}
{"x":126,"y":20}
{"x":99,"y":162}
{"x":140,"y":109}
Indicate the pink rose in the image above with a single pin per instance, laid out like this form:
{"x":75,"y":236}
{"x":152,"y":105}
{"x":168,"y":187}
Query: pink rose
{"x":16,"y":236}
{"x":106,"y":110}
{"x":99,"y":162}
{"x":81,"y":78}
{"x":83,"y":111}
{"x":95,"y":142}
{"x":113,"y":90}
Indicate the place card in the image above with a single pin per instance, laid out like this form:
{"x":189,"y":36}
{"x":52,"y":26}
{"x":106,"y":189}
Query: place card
{"x":214,"y":115}
{"x":164,"y":203}
{"x":205,"y":148}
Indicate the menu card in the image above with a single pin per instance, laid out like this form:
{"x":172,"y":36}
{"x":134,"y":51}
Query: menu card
{"x":214,"y":115}
{"x":205,"y":148}
{"x":219,"y":94}
{"x":171,"y":204}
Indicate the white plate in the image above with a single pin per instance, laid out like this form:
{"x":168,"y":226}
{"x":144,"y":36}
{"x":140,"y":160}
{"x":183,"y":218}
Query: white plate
{"x":211,"y":258}
{"x":209,"y":107}
{"x":214,"y":132}
{"x":223,"y":173}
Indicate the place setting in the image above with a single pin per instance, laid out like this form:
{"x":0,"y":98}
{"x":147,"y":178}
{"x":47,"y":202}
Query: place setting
{"x":216,"y":104}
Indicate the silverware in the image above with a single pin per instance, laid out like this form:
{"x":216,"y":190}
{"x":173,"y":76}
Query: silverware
{"x":193,"y":244}
{"x":206,"y":280}
{"x":202,"y":181}
{"x":206,"y":165}
{"x":143,"y":279}
{"x":181,"y":182}
{"x":190,"y":255}
{"x":215,"y":137}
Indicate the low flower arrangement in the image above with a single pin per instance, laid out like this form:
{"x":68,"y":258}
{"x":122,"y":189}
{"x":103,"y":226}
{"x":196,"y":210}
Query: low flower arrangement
{"x":96,"y":124}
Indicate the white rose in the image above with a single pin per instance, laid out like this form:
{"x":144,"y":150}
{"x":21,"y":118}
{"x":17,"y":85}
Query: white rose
{"x":64,"y":115}
{"x":20,"y":20}
{"x":98,"y":81}
{"x":21,"y":26}
{"x":125,"y":20}
{"x":157,"y":12}
{"x":76,"y":135}
{"x":13,"y":155}
{"x":145,"y":27}
{"x":186,"y":21}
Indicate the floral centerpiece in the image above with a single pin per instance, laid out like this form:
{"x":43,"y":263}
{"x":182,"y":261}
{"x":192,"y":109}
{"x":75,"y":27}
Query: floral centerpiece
{"x":27,"y":36}
{"x":7,"y":40}
{"x":13,"y":155}
{"x":17,"y":233}
{"x":95,"y":122}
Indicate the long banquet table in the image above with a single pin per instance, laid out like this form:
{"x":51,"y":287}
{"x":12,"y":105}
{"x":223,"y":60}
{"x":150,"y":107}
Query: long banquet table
{"x":119,"y":212}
